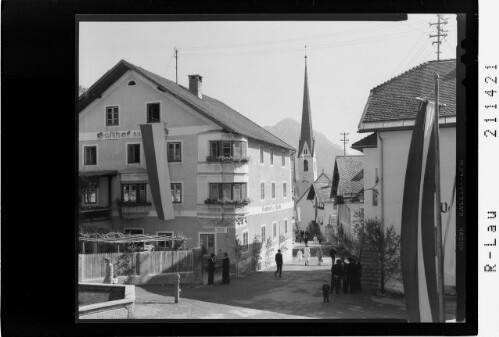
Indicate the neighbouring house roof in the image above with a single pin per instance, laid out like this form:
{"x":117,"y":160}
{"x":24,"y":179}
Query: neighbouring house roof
{"x":216,"y":111}
{"x":348,"y":176}
{"x":317,"y":185}
{"x":321,"y":190}
{"x":369,"y":141}
{"x":396,"y":99}
{"x":307,"y":133}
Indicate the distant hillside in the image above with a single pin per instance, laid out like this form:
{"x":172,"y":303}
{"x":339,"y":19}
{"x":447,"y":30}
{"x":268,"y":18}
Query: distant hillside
{"x":289,"y":131}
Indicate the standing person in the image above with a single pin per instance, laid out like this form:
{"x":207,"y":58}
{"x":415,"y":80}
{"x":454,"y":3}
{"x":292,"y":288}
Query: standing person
{"x":346,"y":275}
{"x":336,"y":274}
{"x":211,"y":269}
{"x":307,"y":254}
{"x":325,"y":291}
{"x":332,"y":253}
{"x":278,"y":262}
{"x":305,"y":238}
{"x":319,"y":255}
{"x":225,"y":269}
{"x":299,"y":255}
{"x":109,"y":271}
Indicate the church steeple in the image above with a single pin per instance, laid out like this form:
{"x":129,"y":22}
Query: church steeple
{"x":306,"y":135}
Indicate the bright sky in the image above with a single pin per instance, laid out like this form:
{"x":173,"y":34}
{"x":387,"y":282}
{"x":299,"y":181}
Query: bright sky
{"x":257,"y":68}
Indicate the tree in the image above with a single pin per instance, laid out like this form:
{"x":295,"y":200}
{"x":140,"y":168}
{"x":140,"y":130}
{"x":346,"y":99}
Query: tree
{"x":387,"y":247}
{"x":269,"y":249}
{"x":256,"y":248}
{"x":238,"y":250}
{"x":282,"y":243}
{"x":358,"y":233}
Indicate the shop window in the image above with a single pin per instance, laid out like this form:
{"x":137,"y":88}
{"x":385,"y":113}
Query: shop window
{"x":165,"y":244}
{"x":90,"y":155}
{"x":176,"y":192}
{"x":88,"y":190}
{"x":174,"y":152}
{"x":153,"y":113}
{"x":262,"y":191}
{"x":112,"y":116}
{"x":134,"y":193}
{"x":133,"y":151}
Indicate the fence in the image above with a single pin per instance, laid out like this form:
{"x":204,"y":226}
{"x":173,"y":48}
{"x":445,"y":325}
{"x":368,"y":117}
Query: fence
{"x":92,"y":266}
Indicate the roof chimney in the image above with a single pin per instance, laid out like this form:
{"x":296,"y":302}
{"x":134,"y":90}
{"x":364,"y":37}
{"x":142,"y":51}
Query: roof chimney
{"x":196,"y":85}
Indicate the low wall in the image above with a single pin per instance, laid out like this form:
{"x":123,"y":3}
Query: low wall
{"x":119,"y":306}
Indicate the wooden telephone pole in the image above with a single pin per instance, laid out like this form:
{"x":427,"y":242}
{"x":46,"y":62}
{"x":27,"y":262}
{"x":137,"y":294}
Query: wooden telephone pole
{"x":440,"y":33}
{"x":345,"y":141}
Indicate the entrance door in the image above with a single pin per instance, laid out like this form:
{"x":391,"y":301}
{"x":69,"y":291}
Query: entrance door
{"x":207,"y":241}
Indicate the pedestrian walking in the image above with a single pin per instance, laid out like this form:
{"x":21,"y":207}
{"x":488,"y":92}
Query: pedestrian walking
{"x":332,"y":253}
{"x":211,"y":269}
{"x":299,"y":255}
{"x":226,"y":269}
{"x":347,"y":274}
{"x":336,"y":274}
{"x":325,"y":291}
{"x":109,"y":271}
{"x":319,"y":255}
{"x":278,"y":262}
{"x":307,"y":254}
{"x":355,"y":285}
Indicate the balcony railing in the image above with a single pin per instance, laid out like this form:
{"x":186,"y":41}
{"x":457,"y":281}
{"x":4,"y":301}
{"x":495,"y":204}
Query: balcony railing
{"x":94,"y":213}
{"x":237,"y":203}
{"x":228,"y":160}
{"x":135,"y":210}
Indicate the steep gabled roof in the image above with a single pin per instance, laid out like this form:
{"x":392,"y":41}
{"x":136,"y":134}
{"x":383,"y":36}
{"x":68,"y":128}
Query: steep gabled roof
{"x":347,"y":176}
{"x":216,"y":111}
{"x":395,"y":99}
{"x":307,"y":133}
{"x":369,"y":141}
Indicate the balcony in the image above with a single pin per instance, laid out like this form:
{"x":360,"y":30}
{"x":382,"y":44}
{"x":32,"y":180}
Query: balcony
{"x":227,"y":160}
{"x":216,"y":207}
{"x":94,"y":213}
{"x":134,"y":210}
{"x":235,"y":203}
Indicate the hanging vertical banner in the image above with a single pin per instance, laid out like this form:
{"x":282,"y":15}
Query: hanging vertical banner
{"x":419,"y":212}
{"x":153,"y":139}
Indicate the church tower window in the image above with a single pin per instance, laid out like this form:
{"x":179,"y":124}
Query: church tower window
{"x":305,"y":166}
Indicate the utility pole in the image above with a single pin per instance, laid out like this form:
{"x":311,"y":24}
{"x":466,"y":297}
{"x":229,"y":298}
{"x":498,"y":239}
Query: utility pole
{"x":345,"y":141}
{"x":440,"y":33}
{"x":176,"y":64}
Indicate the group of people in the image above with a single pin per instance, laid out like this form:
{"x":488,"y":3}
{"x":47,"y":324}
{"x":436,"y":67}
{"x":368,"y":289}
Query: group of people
{"x":225,"y":269}
{"x":306,"y":254}
{"x":345,"y":276}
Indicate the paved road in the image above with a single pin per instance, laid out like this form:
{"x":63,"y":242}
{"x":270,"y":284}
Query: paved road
{"x":297,"y":294}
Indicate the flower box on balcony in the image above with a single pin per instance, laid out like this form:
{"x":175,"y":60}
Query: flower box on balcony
{"x":237,"y":203}
{"x":134,"y":210}
{"x":227,"y":160}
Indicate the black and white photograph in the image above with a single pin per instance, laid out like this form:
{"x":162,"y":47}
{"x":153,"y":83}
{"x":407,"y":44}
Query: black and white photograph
{"x":268,"y":169}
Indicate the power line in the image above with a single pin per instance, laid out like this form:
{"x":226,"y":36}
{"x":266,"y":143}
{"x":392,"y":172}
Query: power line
{"x":410,"y":50}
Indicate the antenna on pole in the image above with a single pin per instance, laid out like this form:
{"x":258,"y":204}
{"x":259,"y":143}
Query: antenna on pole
{"x":176,"y":64}
{"x":305,"y":53}
{"x":440,"y":33}
{"x":345,"y":141}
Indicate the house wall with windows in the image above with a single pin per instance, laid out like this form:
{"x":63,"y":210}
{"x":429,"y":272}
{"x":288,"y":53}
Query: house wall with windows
{"x":395,"y":152}
{"x":216,"y":201}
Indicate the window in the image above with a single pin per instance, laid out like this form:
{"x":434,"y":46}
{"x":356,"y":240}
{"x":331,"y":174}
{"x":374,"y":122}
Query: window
{"x":245,"y":242}
{"x":176,"y":192}
{"x":153,"y":115}
{"x":284,"y":190}
{"x":112,"y":116}
{"x":131,"y":83}
{"x":271,"y":156}
{"x":262,"y":191}
{"x":305,"y":165}
{"x":234,"y":149}
{"x":174,"y":152}
{"x":263,"y":233}
{"x":207,"y":241}
{"x":228,"y":191}
{"x":133,"y":151}
{"x":285,"y":226}
{"x":274,"y":230}
{"x":375,"y":197}
{"x":134,"y":231}
{"x":165,"y":244}
{"x":90,"y":155}
{"x":305,"y":151}
{"x":283,"y":159}
{"x":133,"y":193}
{"x":261,"y":154}
{"x":88,"y":190}
{"x":273,"y":190}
